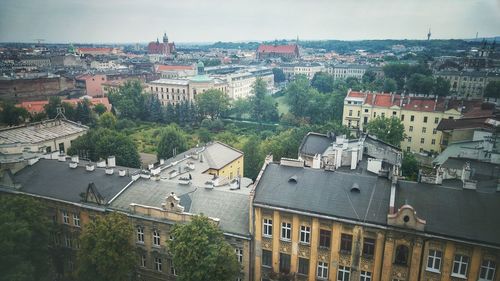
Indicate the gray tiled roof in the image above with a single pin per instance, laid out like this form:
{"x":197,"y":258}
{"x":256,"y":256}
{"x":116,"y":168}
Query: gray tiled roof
{"x":314,"y":143}
{"x":219,"y":155}
{"x":324,"y":192}
{"x":466,"y":214}
{"x":231,"y":207}
{"x":57,"y":180}
{"x":41,"y":131}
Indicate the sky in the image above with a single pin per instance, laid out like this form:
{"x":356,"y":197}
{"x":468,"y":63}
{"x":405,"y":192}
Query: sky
{"x":127,"y":21}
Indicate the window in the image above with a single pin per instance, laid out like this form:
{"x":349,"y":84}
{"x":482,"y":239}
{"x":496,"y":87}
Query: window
{"x":434,"y":261}
{"x":424,"y":129}
{"x":402,"y":117}
{"x":65,"y":217}
{"x":267,"y":258}
{"x":433,"y":141}
{"x":284,"y":263}
{"x":140,"y":234}
{"x":156,"y":238}
{"x":324,"y":238}
{"x":411,"y":129}
{"x":346,"y":243}
{"x":76,"y":220}
{"x":422,"y":140}
{"x":303,"y":266}
{"x":350,"y":112}
{"x":305,"y":233}
{"x":239,"y":254}
{"x":425,"y":119}
{"x":412,"y":118}
{"x":487,"y":272}
{"x":460,"y":264}
{"x":268,"y":227}
{"x":365,"y":276}
{"x":408,"y":149}
{"x":286,"y":230}
{"x":436,"y":120}
{"x":359,"y":113}
{"x":143,"y":260}
{"x":434,"y":131}
{"x":366,"y":110}
{"x":158,"y":264}
{"x":322,"y":270}
{"x":374,"y":114}
{"x":401,"y":255}
{"x":344,"y":273}
{"x":368,"y":247}
{"x":409,"y":139}
{"x":394,"y":113}
{"x":172,"y":269}
{"x":67,"y":241}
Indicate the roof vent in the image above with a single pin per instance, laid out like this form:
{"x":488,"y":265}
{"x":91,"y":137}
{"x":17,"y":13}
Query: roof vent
{"x":293,"y":179}
{"x":73,"y":165}
{"x":90,"y":167}
{"x":109,"y":171}
{"x":122,"y":173}
{"x":355,"y":188}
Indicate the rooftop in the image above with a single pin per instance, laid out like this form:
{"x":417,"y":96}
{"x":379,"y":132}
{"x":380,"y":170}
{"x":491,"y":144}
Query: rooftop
{"x":314,"y":143}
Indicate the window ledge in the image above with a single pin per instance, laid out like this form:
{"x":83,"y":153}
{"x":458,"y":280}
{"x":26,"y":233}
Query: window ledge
{"x":433,"y":270}
{"x":458,"y":276}
{"x":267,"y":236}
{"x":305,"y":243}
{"x":285,"y":239}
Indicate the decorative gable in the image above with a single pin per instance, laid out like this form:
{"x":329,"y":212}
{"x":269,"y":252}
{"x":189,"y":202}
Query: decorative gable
{"x":172,"y":204}
{"x":406,"y":217}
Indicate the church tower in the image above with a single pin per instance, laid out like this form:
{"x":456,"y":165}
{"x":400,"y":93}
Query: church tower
{"x":165,"y":38}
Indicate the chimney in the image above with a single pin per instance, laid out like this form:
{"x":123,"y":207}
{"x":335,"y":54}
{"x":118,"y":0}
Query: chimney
{"x":374,"y":95}
{"x":61,"y":158}
{"x":109,"y":171}
{"x":316,"y":164}
{"x":162,"y":161}
{"x":151,"y":166}
{"x":435,"y":103}
{"x":122,"y":173}
{"x":111,"y":161}
{"x":75,"y":159}
{"x":291,"y":162}
{"x":101,"y":164}
{"x":73,"y":165}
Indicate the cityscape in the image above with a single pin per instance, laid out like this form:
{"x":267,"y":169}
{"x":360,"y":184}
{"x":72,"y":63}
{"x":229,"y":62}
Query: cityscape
{"x":250,"y":141}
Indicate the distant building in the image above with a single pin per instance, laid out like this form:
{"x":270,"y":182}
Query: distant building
{"x":278,"y":51}
{"x":470,"y":84}
{"x":306,"y":69}
{"x":175,"y":71}
{"x":97,"y":51}
{"x":34,"y":88}
{"x":163,"y":48}
{"x":91,"y":83}
{"x":343,"y":71}
{"x":38,"y":106}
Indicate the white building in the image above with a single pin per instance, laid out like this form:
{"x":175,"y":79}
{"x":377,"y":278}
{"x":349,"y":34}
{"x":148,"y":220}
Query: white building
{"x":307,"y":69}
{"x":343,"y":71}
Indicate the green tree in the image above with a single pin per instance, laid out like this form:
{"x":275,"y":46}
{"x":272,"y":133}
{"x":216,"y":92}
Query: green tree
{"x":83,"y":112}
{"x":51,"y":107}
{"x":204,"y":135}
{"x":172,"y":142}
{"x":24,"y":239}
{"x":106,"y":251}
{"x":128,"y":100}
{"x":279,"y":75}
{"x":263,"y":107}
{"x":100,"y":108}
{"x":12,"y":115}
{"x":107,"y":120}
{"x":212,"y":103}
{"x":390,"y":130}
{"x":409,"y":167}
{"x":200,"y":252}
{"x":492,"y":89}
{"x":369,"y":77}
{"x":390,"y":85}
{"x":240,"y":107}
{"x":102,"y":142}
{"x":322,"y":82}
{"x":420,"y":84}
{"x":441,"y":87}
{"x":297,"y":95}
{"x":253,"y":157}
{"x":152,"y":109}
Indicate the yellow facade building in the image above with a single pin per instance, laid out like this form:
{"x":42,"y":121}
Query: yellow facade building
{"x":313,"y":225}
{"x":420,"y":116}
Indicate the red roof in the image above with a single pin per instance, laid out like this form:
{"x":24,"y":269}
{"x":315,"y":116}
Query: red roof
{"x":162,"y":67}
{"x":95,"y":50}
{"x":38,"y":106}
{"x":283,"y":49}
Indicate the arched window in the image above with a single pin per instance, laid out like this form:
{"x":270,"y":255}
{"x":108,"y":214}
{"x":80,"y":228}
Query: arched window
{"x":401,"y":255}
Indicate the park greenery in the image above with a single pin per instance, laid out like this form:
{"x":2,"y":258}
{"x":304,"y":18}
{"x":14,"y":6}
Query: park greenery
{"x":200,"y":252}
{"x":24,"y":239}
{"x":106,"y":251}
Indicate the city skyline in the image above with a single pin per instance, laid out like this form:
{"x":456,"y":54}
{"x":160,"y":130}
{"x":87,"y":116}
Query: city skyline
{"x":113,"y":21}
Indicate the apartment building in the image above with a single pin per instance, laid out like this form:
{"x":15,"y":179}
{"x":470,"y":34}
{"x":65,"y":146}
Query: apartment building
{"x":343,"y":71}
{"x":419,"y":115}
{"x":470,"y":84}
{"x":312,"y":225}
{"x":306,"y":69}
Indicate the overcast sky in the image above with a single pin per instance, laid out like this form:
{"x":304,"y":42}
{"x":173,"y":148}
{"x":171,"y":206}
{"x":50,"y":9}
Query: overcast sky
{"x":106,"y":21}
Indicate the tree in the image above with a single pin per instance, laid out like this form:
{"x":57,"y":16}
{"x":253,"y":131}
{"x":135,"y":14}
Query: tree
{"x":409,"y":167}
{"x":369,"y":77}
{"x":441,"y":87}
{"x":172,"y":142}
{"x":106,"y":251}
{"x":200,"y":252}
{"x":107,"y":120}
{"x":322,"y":82}
{"x":101,"y":143}
{"x":204,"y":135}
{"x":83,"y":112}
{"x":51,"y":107}
{"x":152,"y":109}
{"x":240,"y":107}
{"x":253,"y":157}
{"x":279,"y":75}
{"x":263,"y":107}
{"x":297,"y":95}
{"x":100,"y":108}
{"x":24,"y":239}
{"x":128,"y":100}
{"x":420,"y":84}
{"x":390,"y":85}
{"x":492,"y":89}
{"x":390,"y":130}
{"x":12,"y":115}
{"x":212,"y":103}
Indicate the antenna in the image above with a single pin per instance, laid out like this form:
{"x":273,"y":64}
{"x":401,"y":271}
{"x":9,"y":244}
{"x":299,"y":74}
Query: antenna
{"x":60,"y":113}
{"x":429,"y":34}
